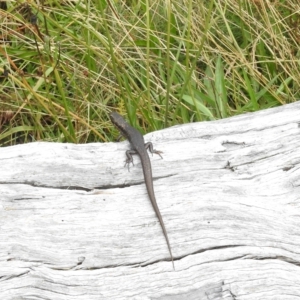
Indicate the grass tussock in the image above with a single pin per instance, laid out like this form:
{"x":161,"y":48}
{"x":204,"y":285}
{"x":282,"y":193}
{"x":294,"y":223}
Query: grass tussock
{"x":65,"y":64}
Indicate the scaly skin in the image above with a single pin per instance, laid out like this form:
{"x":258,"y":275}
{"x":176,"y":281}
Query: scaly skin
{"x":139,"y":147}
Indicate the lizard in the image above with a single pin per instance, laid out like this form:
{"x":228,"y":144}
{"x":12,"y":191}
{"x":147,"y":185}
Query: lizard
{"x":140,"y":148}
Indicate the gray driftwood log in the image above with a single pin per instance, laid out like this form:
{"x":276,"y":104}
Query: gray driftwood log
{"x":76,"y":225}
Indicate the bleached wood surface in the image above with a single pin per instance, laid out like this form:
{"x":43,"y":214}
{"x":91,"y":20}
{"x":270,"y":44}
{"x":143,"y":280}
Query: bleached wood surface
{"x":76,"y":225}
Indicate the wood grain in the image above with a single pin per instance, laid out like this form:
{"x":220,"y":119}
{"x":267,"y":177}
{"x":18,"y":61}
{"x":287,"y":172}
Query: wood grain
{"x":76,"y":225}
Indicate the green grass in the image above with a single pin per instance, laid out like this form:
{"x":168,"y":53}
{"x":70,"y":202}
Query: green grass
{"x":158,"y":62}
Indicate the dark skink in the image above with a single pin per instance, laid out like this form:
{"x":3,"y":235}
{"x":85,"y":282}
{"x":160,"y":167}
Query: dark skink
{"x":139,"y":147}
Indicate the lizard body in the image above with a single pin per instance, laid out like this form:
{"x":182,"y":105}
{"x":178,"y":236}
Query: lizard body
{"x":139,"y":147}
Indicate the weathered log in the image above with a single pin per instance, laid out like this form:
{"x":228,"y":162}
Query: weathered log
{"x":76,"y":225}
